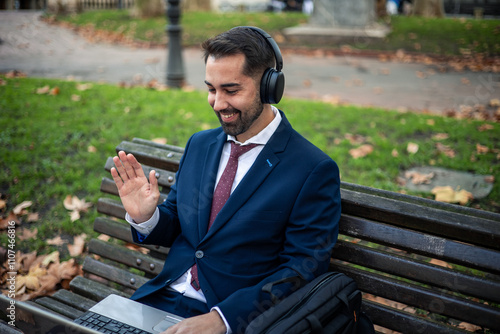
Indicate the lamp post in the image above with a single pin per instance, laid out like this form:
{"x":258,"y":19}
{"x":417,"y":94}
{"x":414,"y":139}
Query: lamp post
{"x":175,"y":67}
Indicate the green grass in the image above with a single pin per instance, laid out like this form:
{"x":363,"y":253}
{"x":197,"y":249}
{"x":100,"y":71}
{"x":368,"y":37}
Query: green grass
{"x":44,"y":142}
{"x":448,"y":36}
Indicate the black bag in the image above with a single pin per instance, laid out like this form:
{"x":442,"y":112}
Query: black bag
{"x":329,"y":304}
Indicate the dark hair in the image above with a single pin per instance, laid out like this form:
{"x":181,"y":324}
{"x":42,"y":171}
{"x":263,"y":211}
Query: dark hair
{"x":259,"y":56}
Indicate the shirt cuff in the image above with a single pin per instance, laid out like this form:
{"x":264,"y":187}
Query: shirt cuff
{"x":146,"y":227}
{"x":228,"y":329}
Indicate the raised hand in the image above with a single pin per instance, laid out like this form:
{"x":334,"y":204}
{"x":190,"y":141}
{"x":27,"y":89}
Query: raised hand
{"x":139,"y":196}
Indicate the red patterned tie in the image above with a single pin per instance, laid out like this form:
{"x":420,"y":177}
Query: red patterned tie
{"x":222,"y":193}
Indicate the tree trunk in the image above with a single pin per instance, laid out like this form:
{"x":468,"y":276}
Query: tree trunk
{"x":428,"y":8}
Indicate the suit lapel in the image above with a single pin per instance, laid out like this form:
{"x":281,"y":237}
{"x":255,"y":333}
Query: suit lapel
{"x":263,"y":165}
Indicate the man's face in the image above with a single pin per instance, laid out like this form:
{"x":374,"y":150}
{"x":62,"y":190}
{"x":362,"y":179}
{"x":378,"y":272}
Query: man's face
{"x":234,"y":97}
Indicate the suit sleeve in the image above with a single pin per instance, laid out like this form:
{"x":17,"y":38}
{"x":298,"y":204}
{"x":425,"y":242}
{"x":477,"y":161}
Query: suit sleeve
{"x":168,"y":227}
{"x":311,"y":233}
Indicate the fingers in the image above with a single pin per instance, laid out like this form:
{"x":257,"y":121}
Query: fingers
{"x":153,"y":181}
{"x":127,"y":166}
{"x":116,"y":178}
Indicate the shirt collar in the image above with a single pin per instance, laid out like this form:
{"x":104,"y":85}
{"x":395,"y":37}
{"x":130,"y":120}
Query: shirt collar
{"x":262,"y":137}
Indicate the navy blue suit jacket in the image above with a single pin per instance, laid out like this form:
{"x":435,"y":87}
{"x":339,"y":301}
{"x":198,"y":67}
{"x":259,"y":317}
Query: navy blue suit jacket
{"x":281,"y":220}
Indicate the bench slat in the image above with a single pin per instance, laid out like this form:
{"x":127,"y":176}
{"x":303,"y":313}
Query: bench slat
{"x":152,"y":156}
{"x":59,"y":307}
{"x":74,"y":300}
{"x":477,"y":231}
{"x":93,"y":290}
{"x":111,"y":207}
{"x":113,"y":274}
{"x":158,"y":145}
{"x":129,"y":257}
{"x":426,"y":273}
{"x":424,"y":244}
{"x":404,"y":322}
{"x":121,"y":230}
{"x":424,"y":298}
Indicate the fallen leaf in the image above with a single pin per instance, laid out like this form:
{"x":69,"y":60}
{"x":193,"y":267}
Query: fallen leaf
{"x":32,"y":217}
{"x":440,"y":136}
{"x":19,"y":209}
{"x":480,"y":149}
{"x":75,"y":97}
{"x":159,"y":140}
{"x":440,"y":263}
{"x":419,"y":178}
{"x":495,"y":103}
{"x":468,"y":327}
{"x":485,"y":127}
{"x":43,"y":90}
{"x":54,"y":91}
{"x":394,"y":153}
{"x":76,"y":248}
{"x":431,"y":122}
{"x":75,"y":205}
{"x":446,"y":150}
{"x":27,"y":234}
{"x":412,"y":148}
{"x":103,"y":237}
{"x":489,"y":179}
{"x":83,"y":87}
{"x":57,"y":241}
{"x":449,"y":195}
{"x":91,"y":149}
{"x":361,"y":151}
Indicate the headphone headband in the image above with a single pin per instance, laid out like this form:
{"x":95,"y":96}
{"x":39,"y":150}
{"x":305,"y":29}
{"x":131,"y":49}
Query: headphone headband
{"x":272,"y":43}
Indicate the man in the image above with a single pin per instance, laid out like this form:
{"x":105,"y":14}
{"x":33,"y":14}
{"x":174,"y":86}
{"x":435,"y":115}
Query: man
{"x":281,"y":218}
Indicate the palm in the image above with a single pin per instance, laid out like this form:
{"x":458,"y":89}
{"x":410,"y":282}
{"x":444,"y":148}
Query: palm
{"x":139,"y":197}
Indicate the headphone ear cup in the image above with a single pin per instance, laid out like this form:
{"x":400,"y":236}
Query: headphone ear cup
{"x":272,"y":86}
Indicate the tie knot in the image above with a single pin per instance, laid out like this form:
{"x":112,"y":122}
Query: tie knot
{"x":237,"y":150}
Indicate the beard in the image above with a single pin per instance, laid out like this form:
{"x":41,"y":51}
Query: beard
{"x":244,"y":121}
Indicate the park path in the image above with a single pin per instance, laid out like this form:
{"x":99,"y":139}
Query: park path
{"x":42,"y":50}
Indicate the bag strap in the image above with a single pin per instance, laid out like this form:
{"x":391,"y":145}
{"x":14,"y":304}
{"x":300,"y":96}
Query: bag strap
{"x":298,"y":282}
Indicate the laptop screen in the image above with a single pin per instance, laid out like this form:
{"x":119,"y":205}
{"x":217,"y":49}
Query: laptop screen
{"x":28,"y":317}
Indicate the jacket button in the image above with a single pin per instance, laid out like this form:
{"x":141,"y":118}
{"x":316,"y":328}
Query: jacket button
{"x":199,"y":254}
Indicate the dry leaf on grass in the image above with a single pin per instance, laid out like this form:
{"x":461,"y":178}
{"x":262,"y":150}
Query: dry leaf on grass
{"x":57,"y":241}
{"x":481,"y":149}
{"x":41,"y":275}
{"x":412,"y":148}
{"x":419,"y":178}
{"x":361,"y":151}
{"x":446,"y":150}
{"x":27,"y":234}
{"x":449,"y":195}
{"x":19,"y":209}
{"x":78,"y":245}
{"x":75,"y":205}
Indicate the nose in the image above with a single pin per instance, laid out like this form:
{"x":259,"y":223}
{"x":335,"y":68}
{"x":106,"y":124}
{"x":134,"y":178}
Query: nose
{"x":217,"y":101}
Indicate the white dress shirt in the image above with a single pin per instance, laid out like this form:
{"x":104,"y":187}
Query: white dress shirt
{"x":245,"y":161}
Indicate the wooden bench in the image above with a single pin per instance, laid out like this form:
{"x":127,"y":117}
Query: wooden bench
{"x":389,"y":244}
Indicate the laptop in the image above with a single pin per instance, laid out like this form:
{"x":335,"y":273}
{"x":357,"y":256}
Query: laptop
{"x":120,"y":314}
{"x":114,"y":314}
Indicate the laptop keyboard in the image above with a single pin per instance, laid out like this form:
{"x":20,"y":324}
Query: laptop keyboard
{"x":106,"y":325}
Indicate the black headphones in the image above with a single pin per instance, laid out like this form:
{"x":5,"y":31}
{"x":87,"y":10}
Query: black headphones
{"x":272,"y":83}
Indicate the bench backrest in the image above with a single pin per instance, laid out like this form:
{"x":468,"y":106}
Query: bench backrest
{"x":423,"y":266}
